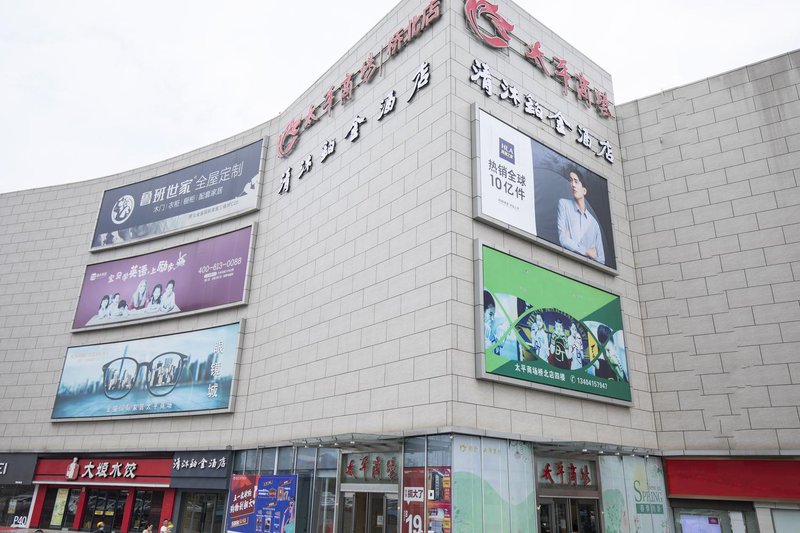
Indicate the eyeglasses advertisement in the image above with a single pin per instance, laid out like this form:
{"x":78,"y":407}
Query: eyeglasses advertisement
{"x":171,"y":374}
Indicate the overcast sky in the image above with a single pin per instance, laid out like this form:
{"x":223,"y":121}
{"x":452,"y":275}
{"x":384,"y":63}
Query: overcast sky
{"x":92,"y":88}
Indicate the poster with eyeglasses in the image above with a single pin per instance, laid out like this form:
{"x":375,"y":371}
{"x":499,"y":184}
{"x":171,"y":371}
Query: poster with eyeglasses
{"x":185,"y":373}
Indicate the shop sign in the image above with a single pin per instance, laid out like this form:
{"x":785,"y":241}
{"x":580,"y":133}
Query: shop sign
{"x":419,"y":80}
{"x":104,"y":470}
{"x":289,"y":137}
{"x":552,"y":472}
{"x":220,"y":188}
{"x":203,"y":464}
{"x":500,"y":37}
{"x":16,"y":468}
{"x":370,"y":468}
{"x":482,"y":76}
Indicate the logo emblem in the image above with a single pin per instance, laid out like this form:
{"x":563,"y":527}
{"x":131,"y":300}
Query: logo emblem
{"x":123,"y":209}
{"x":507,"y":151}
{"x":502,"y":28}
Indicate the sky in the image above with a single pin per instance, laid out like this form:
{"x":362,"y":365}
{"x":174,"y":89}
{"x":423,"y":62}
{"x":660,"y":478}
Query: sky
{"x":92,"y":88}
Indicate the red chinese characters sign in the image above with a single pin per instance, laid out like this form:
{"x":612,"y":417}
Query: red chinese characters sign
{"x":105,"y":470}
{"x":370,"y":468}
{"x":289,"y":137}
{"x":500,"y":37}
{"x":565,"y":473}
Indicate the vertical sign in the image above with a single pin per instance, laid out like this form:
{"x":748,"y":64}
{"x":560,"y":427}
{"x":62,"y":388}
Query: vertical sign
{"x":413,"y":499}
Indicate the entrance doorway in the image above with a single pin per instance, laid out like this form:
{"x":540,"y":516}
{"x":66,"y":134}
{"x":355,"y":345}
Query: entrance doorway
{"x":568,"y":515}
{"x":369,"y":512}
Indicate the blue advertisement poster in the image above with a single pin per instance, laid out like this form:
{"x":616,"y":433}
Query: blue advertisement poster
{"x":220,"y":188}
{"x":170,"y":374}
{"x":262,"y":504}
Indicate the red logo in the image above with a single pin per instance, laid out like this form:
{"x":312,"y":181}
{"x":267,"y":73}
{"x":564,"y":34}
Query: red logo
{"x":482,"y":8}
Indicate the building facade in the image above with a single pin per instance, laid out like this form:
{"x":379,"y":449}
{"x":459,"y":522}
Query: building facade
{"x":452,"y":288}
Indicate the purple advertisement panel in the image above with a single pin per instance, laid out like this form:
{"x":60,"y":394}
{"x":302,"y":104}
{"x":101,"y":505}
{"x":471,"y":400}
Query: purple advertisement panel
{"x":198,"y":276}
{"x":222,"y":187}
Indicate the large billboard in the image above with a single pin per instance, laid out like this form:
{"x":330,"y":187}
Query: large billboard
{"x":532,"y":190}
{"x":184,"y":373}
{"x":198,"y":276}
{"x":220,"y":188}
{"x":539,"y":327}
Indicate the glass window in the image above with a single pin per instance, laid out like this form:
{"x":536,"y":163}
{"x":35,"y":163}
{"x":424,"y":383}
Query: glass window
{"x":495,"y":478}
{"x":285,"y":460}
{"x":146,"y":510}
{"x":439,"y":450}
{"x":324,"y":499}
{"x":267,"y":462}
{"x":522,"y":493}
{"x":245,"y":461}
{"x":201,"y":512}
{"x":15,"y":502}
{"x":414,"y":452}
{"x":467,"y":484}
{"x":306,"y":458}
{"x":105,"y":506}
{"x":327,"y":458}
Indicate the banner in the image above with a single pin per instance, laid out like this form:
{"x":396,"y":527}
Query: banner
{"x":219,"y":188}
{"x":199,"y":276}
{"x":262,"y":504}
{"x":634,"y":495}
{"x":439,"y":499}
{"x":542,"y":327}
{"x":525,"y":186}
{"x":191,"y":372}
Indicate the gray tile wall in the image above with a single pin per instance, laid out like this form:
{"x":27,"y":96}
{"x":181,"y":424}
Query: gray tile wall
{"x":712,"y":171}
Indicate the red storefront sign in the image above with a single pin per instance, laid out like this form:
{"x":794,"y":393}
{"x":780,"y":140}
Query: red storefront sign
{"x":104,"y":471}
{"x":733,"y":479}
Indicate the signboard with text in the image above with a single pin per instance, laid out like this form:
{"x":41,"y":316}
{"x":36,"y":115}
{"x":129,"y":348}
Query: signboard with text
{"x":198,"y":276}
{"x":183,"y":373}
{"x":540,"y":327}
{"x":262,"y":504}
{"x":530,"y":189}
{"x":220,"y":188}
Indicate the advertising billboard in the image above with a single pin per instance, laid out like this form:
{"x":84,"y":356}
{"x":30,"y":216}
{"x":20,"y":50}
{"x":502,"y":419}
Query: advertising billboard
{"x":198,"y":276}
{"x":184,"y":373}
{"x":539,"y":327}
{"x":262,"y":504}
{"x":220,"y":188}
{"x":525,"y":187}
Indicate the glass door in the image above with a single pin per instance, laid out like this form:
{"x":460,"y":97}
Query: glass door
{"x":568,"y":515}
{"x":369,"y":512}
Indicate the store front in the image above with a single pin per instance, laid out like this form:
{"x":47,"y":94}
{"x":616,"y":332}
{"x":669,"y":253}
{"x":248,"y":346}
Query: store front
{"x":16,"y":488}
{"x":732,"y":495}
{"x":125,"y":493}
{"x":568,"y":495}
{"x":370,"y":484}
{"x":201,"y":481}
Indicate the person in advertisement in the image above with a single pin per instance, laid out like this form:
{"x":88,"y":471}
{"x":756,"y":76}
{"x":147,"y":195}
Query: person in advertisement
{"x":578,"y":230}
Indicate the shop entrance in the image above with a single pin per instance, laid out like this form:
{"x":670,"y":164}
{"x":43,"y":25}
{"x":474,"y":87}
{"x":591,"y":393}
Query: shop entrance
{"x":568,"y":515}
{"x":369,"y":512}
{"x":105,"y":506}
